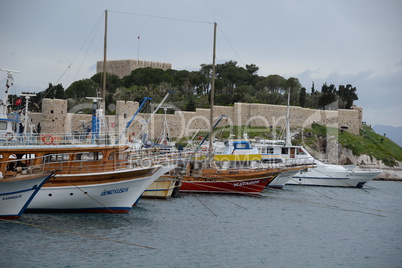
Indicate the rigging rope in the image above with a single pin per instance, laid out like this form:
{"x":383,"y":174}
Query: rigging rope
{"x":160,"y":17}
{"x":230,"y":44}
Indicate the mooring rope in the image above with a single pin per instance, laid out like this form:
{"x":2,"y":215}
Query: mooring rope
{"x":97,"y":201}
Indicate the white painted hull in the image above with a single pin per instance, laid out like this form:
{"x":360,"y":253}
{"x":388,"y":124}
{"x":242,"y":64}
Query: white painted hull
{"x":331,"y":175}
{"x":115,"y":197}
{"x":16,"y":195}
{"x":281,"y":179}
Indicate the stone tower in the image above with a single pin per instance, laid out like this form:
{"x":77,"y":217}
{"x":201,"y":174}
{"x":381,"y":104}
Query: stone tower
{"x":123,"y":68}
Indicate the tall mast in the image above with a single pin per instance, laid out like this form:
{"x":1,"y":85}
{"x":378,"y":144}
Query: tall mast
{"x":288,"y":142}
{"x":211,"y":119}
{"x":27,"y":97}
{"x":104,"y":65}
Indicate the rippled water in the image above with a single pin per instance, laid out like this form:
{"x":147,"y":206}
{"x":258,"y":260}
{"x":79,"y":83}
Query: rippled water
{"x":294,"y":227}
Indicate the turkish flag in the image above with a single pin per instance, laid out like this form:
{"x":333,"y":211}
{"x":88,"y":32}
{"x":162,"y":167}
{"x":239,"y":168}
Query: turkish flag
{"x":18,"y":101}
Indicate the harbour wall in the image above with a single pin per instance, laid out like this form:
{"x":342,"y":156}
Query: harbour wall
{"x":55,"y":118}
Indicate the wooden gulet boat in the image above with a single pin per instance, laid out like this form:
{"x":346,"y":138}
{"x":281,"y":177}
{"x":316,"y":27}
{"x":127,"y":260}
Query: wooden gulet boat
{"x":96,"y":179}
{"x":246,"y":182}
{"x":18,"y":190}
{"x":231,"y":174}
{"x":18,"y":186}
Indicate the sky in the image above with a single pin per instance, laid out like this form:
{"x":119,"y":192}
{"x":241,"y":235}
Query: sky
{"x":357,"y":42}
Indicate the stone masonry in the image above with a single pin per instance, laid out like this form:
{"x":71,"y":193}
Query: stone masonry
{"x":123,"y":68}
{"x":56,"y":119}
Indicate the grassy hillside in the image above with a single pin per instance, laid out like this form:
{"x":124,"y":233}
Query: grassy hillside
{"x":367,"y":142}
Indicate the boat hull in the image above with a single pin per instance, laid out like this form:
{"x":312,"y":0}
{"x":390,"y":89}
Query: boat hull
{"x":321,"y":177}
{"x":16,"y":195}
{"x":246,"y":183}
{"x":162,"y":188}
{"x":106,"y":197}
{"x":281,"y":179}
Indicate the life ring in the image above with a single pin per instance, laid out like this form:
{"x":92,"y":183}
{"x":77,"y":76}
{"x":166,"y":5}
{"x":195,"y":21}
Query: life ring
{"x":47,"y":139}
{"x":146,"y":162}
{"x":9,"y":136}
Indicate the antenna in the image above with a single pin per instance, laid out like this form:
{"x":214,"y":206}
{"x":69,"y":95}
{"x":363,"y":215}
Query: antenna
{"x":27,"y":97}
{"x":10,"y":79}
{"x":9,"y":72}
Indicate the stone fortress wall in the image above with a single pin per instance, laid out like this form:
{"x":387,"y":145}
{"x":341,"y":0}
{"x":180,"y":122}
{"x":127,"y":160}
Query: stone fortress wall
{"x":123,"y":68}
{"x":56,"y":119}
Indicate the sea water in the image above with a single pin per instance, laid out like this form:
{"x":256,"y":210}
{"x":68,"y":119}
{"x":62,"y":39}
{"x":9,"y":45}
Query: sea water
{"x":298,"y":226}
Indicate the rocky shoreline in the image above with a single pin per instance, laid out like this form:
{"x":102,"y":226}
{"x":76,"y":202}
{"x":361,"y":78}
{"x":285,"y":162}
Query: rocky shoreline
{"x":390,"y":174}
{"x":335,"y":154}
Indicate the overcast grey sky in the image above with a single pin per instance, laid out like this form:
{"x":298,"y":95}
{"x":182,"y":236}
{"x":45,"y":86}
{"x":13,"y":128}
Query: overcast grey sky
{"x":340,"y":42}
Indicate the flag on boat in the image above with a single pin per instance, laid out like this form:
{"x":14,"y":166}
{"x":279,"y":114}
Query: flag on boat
{"x":139,"y":37}
{"x":18,"y":101}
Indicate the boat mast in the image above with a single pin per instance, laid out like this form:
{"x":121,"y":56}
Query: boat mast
{"x":211,"y":119}
{"x":104,"y":65}
{"x":288,"y":142}
{"x":27,"y":97}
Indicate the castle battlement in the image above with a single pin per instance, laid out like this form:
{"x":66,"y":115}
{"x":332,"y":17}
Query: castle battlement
{"x":123,"y":68}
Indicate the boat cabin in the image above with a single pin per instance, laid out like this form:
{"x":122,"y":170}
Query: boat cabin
{"x":278,"y":152}
{"x":67,"y":160}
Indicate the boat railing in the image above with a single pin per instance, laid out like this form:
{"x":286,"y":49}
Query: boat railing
{"x":55,"y":139}
{"x":24,"y":166}
{"x":76,"y":163}
{"x":299,"y":162}
{"x":163,"y":157}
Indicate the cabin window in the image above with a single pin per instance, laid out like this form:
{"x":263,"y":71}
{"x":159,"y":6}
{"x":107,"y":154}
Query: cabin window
{"x":89,"y":156}
{"x":118,"y":156}
{"x":55,"y":158}
{"x":285,"y":150}
{"x":300,"y":151}
{"x":270,"y":150}
{"x":123,"y":156}
{"x":241,"y":145}
{"x":3,"y":125}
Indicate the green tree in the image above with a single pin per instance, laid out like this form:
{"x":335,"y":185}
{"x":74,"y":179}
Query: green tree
{"x":190,"y":105}
{"x":252,"y":78}
{"x":347,"y":95}
{"x":328,"y":95}
{"x":113,"y":82}
{"x":81,"y":89}
{"x":302,"y":97}
{"x":273,"y":83}
{"x":294,"y":85}
{"x":147,"y":77}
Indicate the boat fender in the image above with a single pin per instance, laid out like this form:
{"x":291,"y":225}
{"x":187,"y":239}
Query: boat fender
{"x":47,"y":139}
{"x":9,"y":136}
